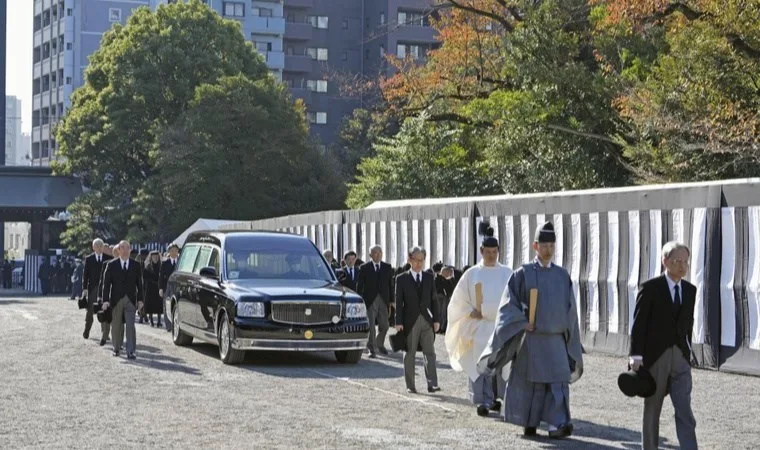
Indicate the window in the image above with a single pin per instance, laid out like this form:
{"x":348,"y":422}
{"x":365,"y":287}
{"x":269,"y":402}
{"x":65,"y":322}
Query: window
{"x":317,"y":85}
{"x":37,"y":54}
{"x":404,"y":50}
{"x":344,"y":25}
{"x":291,"y":18}
{"x":202,"y":260}
{"x":45,"y":151}
{"x":344,"y":56}
{"x":318,"y":21}
{"x":46,"y":18}
{"x":36,"y":86}
{"x":114,"y":15}
{"x":68,"y":80}
{"x":37,"y":22}
{"x":275,"y":259}
{"x":60,"y":109}
{"x":410,"y":18}
{"x":69,"y":46}
{"x":53,"y":79}
{"x":319,"y":54}
{"x":60,"y":42}
{"x":46,"y":50}
{"x":234,"y":9}
{"x":263,"y":47}
{"x":54,"y":46}
{"x":382,"y":18}
{"x":262,"y":12}
{"x":188,"y":257}
{"x":69,"y":12}
{"x":319,"y":118}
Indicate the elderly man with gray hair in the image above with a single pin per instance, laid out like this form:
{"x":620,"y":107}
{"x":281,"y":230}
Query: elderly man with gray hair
{"x":375,"y":285}
{"x":417,"y":317}
{"x":94,"y":265}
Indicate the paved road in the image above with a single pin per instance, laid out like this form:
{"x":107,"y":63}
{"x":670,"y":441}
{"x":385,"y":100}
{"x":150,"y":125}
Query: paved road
{"x":58,"y":390}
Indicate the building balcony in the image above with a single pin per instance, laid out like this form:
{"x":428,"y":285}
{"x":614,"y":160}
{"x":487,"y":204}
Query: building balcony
{"x":298,"y":31}
{"x":36,"y":102}
{"x":422,"y":35}
{"x":37,"y":71}
{"x":274,"y":26}
{"x":275,"y":60}
{"x":299,"y":3}
{"x":298,"y":63}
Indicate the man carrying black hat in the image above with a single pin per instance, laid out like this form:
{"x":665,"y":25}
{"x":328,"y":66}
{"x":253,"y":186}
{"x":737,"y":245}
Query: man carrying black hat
{"x":550,"y":357}
{"x":663,"y":322}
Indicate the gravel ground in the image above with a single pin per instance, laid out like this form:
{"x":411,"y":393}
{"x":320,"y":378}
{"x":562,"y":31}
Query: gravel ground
{"x":60,"y":391}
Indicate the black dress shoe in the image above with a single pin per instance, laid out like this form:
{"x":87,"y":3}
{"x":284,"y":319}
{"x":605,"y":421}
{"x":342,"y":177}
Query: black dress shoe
{"x":102,"y":342}
{"x":432,"y":389}
{"x":131,"y":356}
{"x":86,"y":335}
{"x":496,"y":406}
{"x":382,"y":351}
{"x":411,"y":391}
{"x":529,"y":431}
{"x":562,"y":432}
{"x":115,"y":353}
{"x":482,"y":411}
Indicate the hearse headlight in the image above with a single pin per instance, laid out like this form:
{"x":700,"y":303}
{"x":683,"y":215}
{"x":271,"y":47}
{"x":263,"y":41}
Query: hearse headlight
{"x":250,"y":309}
{"x":356,"y":311}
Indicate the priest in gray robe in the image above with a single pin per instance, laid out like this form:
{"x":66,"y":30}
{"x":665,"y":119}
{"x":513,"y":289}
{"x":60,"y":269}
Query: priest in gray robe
{"x":545,"y":356}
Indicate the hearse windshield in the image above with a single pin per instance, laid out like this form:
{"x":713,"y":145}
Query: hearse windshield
{"x":274,"y":257}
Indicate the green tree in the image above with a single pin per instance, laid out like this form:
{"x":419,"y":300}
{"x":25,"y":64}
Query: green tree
{"x":358,"y":133}
{"x":423,"y":160}
{"x":141,"y":80}
{"x":241,"y":151}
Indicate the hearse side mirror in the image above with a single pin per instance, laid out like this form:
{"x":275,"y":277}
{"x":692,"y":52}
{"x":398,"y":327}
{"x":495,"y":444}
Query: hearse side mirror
{"x":209,"y":272}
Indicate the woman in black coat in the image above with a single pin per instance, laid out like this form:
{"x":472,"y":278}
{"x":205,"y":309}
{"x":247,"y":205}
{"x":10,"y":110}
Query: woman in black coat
{"x":153,"y":303}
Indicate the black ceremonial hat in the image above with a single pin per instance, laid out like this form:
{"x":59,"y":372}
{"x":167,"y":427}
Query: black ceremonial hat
{"x":637,"y":383}
{"x":545,"y":233}
{"x":488,"y":240}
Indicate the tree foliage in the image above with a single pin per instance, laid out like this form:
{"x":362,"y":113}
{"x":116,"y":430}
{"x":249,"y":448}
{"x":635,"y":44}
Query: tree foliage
{"x":423,"y":160}
{"x":141,"y":84}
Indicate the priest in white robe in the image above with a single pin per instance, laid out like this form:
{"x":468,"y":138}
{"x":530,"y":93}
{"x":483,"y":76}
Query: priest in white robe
{"x":472,"y":312}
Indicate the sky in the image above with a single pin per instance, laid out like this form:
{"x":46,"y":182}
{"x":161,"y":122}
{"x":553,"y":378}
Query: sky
{"x":19,"y":49}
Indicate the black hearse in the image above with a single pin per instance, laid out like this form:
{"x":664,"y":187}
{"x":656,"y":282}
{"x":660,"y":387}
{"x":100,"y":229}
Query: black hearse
{"x":262,"y":291}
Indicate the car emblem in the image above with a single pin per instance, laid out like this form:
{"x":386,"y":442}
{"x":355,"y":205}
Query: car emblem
{"x":335,"y":319}
{"x":308,"y":334}
{"x":308,"y":311}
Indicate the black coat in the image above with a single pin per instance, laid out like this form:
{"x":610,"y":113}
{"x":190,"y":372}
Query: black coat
{"x":349,"y":281}
{"x":411,"y":303}
{"x":118,"y":283}
{"x":655,"y":327}
{"x":370,"y":284}
{"x":153,"y":303}
{"x":167,"y":268}
{"x":93,"y":275}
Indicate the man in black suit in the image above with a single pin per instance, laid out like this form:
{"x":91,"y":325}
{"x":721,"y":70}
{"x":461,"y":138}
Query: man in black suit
{"x":417,"y":316}
{"x":167,"y":268}
{"x":91,"y":286}
{"x":349,"y":271}
{"x":123,"y":292}
{"x":375,"y":285}
{"x":663,"y":322}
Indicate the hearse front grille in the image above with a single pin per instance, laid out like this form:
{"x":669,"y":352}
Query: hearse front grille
{"x":305,"y":312}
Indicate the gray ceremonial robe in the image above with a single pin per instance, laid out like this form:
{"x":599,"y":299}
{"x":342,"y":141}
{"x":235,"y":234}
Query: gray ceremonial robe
{"x":545,"y":361}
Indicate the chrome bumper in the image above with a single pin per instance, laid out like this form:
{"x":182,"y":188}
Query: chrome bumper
{"x":299,"y":345}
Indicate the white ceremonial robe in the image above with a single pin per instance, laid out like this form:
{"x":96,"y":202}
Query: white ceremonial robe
{"x":466,"y":338}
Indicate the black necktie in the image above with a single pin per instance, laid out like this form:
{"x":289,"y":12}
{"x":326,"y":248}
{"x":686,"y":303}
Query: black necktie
{"x":419,"y":280}
{"x":676,"y":301}
{"x":377,"y":267}
{"x":124,"y":265}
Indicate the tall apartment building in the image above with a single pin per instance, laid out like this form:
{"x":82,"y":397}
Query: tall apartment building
{"x":327,"y":41}
{"x":304,"y":42}
{"x":14,"y":143}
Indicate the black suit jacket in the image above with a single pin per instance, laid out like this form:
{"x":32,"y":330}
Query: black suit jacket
{"x":370,"y":284}
{"x":348,"y":281}
{"x":93,"y":274}
{"x":410,"y":304}
{"x":167,"y":268}
{"x":655,"y":326}
{"x":117,"y":283}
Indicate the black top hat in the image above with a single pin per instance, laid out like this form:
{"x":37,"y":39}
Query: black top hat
{"x":545,"y":233}
{"x":104,"y":316}
{"x":637,"y":383}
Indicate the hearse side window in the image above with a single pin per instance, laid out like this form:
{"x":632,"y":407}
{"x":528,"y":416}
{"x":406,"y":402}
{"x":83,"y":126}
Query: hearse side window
{"x":188,"y":257}
{"x":202,"y":260}
{"x":214,"y":260}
